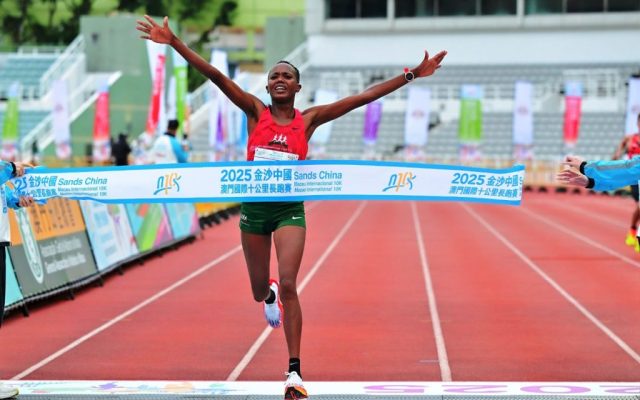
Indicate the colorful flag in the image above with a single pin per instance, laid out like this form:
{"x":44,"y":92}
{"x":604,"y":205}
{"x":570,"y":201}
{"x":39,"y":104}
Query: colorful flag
{"x":416,"y":126}
{"x":10,"y":132}
{"x":470,"y":128}
{"x":318,"y":142}
{"x":372,"y":117}
{"x":157,"y":61}
{"x":218,"y":136}
{"x":180,"y":76}
{"x":60,"y":121}
{"x":101,"y":126}
{"x":573,"y":102}
{"x":523,"y":121}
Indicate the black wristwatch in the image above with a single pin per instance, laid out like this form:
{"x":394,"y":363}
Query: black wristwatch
{"x":13,"y":168}
{"x":408,"y":75}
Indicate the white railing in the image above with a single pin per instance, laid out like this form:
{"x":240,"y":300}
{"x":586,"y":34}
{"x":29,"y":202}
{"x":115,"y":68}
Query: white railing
{"x":70,"y":55}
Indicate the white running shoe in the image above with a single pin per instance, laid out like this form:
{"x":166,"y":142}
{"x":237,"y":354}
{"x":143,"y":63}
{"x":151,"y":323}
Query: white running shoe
{"x":273,"y":312}
{"x":293,"y":387}
{"x":7,"y":392}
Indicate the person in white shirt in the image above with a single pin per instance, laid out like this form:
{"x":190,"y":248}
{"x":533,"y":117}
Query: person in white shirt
{"x":167,"y":149}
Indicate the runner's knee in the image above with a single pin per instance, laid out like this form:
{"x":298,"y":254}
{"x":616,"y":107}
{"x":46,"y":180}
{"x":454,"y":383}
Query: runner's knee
{"x":288,"y":289}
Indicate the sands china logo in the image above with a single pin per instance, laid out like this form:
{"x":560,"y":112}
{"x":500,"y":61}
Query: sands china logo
{"x":400,"y":180}
{"x":168,"y":182}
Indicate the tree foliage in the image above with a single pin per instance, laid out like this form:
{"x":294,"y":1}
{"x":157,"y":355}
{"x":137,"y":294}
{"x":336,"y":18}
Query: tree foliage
{"x":58,"y":21}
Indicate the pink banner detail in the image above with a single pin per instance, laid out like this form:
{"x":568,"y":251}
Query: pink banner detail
{"x":572,"y":119}
{"x":154,"y":107}
{"x":101,"y":128}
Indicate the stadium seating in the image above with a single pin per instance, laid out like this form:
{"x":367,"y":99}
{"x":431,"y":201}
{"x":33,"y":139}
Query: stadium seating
{"x":26,"y":69}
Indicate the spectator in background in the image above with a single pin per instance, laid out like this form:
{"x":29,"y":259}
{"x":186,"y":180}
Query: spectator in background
{"x":167,"y":149}
{"x":120,"y":150}
{"x":8,"y":198}
{"x":88,"y":153}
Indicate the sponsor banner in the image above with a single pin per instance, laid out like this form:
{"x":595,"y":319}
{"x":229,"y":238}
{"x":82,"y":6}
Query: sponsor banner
{"x":101,"y":126}
{"x":206,"y":209}
{"x":372,"y":117}
{"x":150,"y":225}
{"x":219,"y":105}
{"x":183,"y":219}
{"x":10,"y":130}
{"x":633,"y":107}
{"x":180,"y":78}
{"x":572,"y":101}
{"x":60,"y":124}
{"x":275,"y":181}
{"x":238,"y":131}
{"x":157,"y":59}
{"x":109,"y":232}
{"x":416,"y":126}
{"x":13,"y":294}
{"x":523,"y":114}
{"x":533,"y":390}
{"x":470,"y":128}
{"x":318,"y":142}
{"x":50,"y":247}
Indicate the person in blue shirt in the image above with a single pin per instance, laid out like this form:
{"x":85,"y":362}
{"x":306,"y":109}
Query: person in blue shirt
{"x":8,"y":199}
{"x":600,"y":175}
{"x":167,"y":149}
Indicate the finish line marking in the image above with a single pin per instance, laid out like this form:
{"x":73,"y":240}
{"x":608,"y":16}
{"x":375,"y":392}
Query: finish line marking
{"x":533,"y":389}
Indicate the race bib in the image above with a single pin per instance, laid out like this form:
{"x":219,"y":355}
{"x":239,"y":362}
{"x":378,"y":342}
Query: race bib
{"x":262,"y":154}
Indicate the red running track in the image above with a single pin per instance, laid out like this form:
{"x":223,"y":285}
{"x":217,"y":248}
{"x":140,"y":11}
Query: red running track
{"x":393,"y":291}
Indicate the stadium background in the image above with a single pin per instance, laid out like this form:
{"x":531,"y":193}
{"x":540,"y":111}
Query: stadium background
{"x":340,"y":46}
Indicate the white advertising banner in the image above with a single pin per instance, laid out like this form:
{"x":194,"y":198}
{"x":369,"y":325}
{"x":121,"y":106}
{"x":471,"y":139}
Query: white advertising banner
{"x":321,"y":135}
{"x":276,"y":181}
{"x":523,"y":114}
{"x":633,"y":107}
{"x":60,"y":119}
{"x":219,"y":104}
{"x":416,"y":126}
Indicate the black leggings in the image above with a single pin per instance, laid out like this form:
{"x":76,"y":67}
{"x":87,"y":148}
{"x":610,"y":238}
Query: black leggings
{"x":3,"y":278}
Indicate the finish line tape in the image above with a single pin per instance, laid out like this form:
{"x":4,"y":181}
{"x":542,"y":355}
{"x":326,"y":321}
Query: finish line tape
{"x":267,"y":181}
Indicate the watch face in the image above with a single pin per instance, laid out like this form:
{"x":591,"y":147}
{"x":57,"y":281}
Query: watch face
{"x":409,"y":76}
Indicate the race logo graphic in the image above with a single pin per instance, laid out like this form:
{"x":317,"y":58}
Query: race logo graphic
{"x":30,"y":245}
{"x":400,"y":180}
{"x":167,"y":183}
{"x":279,"y":139}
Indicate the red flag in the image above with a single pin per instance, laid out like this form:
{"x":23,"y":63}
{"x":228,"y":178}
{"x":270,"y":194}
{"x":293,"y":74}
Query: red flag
{"x":573,"y":102}
{"x":101,"y":127}
{"x":154,"y":107}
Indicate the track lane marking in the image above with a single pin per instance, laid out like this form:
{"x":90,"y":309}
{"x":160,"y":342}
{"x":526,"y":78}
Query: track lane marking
{"x":583,"y":310}
{"x":127,"y":313}
{"x":253,"y":350}
{"x":582,"y":238}
{"x":441,"y":348}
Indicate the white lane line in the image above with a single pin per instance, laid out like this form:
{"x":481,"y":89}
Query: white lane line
{"x":615,"y":338}
{"x":267,"y":331}
{"x":443,"y":359}
{"x":125,"y":314}
{"x":582,"y":238}
{"x":573,"y":209}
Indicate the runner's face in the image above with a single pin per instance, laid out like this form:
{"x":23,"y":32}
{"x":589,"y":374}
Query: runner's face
{"x":282,"y":83}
